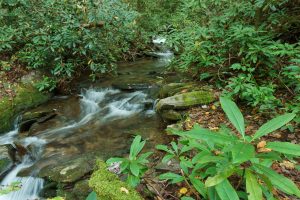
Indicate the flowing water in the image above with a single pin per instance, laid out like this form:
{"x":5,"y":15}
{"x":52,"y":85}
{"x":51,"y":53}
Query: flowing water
{"x":101,"y":119}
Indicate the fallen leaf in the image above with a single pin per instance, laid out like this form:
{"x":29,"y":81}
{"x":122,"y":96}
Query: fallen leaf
{"x":261,"y":144}
{"x":183,"y":190}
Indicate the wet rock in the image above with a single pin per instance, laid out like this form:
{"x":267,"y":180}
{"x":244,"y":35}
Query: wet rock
{"x":6,"y":162}
{"x":185,"y":100}
{"x":131,"y":86}
{"x":171,"y":115}
{"x":80,"y":191}
{"x":69,"y":171}
{"x":49,"y":190}
{"x":108,"y":186}
{"x":29,"y":118}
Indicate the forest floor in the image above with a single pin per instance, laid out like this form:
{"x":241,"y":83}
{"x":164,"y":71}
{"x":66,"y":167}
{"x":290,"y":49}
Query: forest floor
{"x":212,"y":117}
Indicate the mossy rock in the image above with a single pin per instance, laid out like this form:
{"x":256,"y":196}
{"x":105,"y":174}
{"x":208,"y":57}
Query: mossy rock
{"x":5,"y":160}
{"x":108,"y":186}
{"x":26,"y":97}
{"x":185,"y":100}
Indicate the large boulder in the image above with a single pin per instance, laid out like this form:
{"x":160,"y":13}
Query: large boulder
{"x":185,"y":100}
{"x":108,"y":186}
{"x":27,"y":96}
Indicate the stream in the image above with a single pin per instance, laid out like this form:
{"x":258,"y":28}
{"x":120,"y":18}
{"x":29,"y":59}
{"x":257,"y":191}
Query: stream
{"x":102,"y":120}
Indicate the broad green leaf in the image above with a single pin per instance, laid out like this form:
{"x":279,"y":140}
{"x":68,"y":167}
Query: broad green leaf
{"x":234,"y":114}
{"x":199,"y":186}
{"x":200,"y":156}
{"x":175,"y":147}
{"x":285,"y":148}
{"x":187,"y":198}
{"x":134,"y":168}
{"x":226,"y":191}
{"x":113,"y":160}
{"x":252,"y":186}
{"x":213,"y":159}
{"x":136,"y":147}
{"x":92,"y":196}
{"x":212,"y":194}
{"x":273,"y":125}
{"x":175,"y":178}
{"x":133,"y":181}
{"x":204,"y":134}
{"x":279,"y":181}
{"x":220,"y":177}
{"x":164,"y":148}
{"x":242,"y":152}
{"x":143,"y":157}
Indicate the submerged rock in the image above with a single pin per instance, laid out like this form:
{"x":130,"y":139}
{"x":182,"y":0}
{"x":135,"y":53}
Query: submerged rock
{"x":185,"y":100}
{"x":69,"y":171}
{"x":108,"y":186}
{"x":171,"y":115}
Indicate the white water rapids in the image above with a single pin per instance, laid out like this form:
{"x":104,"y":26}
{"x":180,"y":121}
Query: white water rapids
{"x":102,"y":105}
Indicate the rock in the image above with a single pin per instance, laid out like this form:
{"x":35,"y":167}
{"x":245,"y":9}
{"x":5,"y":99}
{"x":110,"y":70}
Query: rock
{"x":171,"y":115}
{"x":49,"y":190}
{"x":69,"y":171}
{"x":131,"y":86}
{"x":6,"y":162}
{"x":81,"y":190}
{"x":185,"y":100}
{"x":26,"y":97}
{"x":29,"y":118}
{"x":108,"y":186}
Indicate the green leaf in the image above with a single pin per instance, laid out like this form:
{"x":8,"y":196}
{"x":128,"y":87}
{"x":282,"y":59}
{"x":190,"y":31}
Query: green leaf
{"x":226,"y":191}
{"x":143,"y":157}
{"x":136,"y":147}
{"x":234,"y":114}
{"x":220,"y":177}
{"x":175,"y":178}
{"x":133,"y":181}
{"x":285,"y":148}
{"x":199,"y":186}
{"x":204,"y":134}
{"x":175,"y":147}
{"x":213,"y":159}
{"x":212,"y":193}
{"x":164,"y":148}
{"x":134,"y":168}
{"x":92,"y":196}
{"x":273,"y":125}
{"x":187,"y":198}
{"x":113,"y":160}
{"x":252,"y":186}
{"x":242,"y":152}
{"x":279,"y":181}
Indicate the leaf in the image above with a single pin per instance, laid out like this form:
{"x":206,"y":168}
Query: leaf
{"x":234,"y":114}
{"x":285,"y":148}
{"x":164,"y":148}
{"x":134,"y":168}
{"x":252,"y":186}
{"x":113,"y":160}
{"x":175,"y":178}
{"x":187,"y":198}
{"x":143,"y":157}
{"x":226,"y":191}
{"x":204,"y":134}
{"x":136,"y":147}
{"x":92,"y":196}
{"x":279,"y":181}
{"x":273,"y":125}
{"x":199,"y":186}
{"x":220,"y":177}
{"x":212,"y":193}
{"x":242,"y":152}
{"x":133,"y":181}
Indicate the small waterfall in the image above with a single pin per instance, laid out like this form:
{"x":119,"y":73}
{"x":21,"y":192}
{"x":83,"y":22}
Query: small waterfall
{"x":164,"y":53}
{"x":29,"y":186}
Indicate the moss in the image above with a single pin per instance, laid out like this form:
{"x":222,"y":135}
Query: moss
{"x":197,"y":97}
{"x":108,"y":186}
{"x":26,"y":97}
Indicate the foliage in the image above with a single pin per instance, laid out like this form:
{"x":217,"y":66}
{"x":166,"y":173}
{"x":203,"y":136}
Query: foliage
{"x":135,"y":165}
{"x":65,"y":37}
{"x":247,"y":46}
{"x":222,"y":165}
